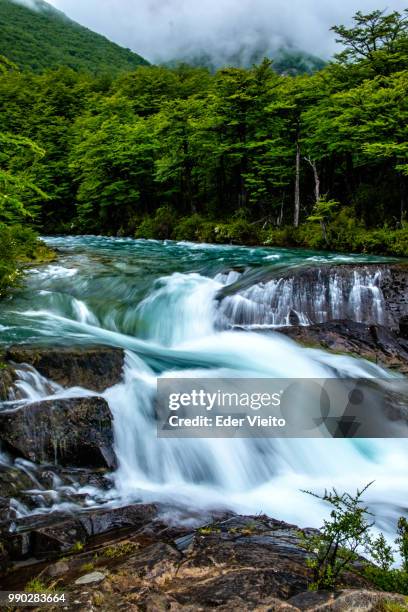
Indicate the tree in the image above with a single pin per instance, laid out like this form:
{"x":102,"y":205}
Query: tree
{"x":17,"y":190}
{"x":336,"y":547}
{"x":377,"y":38}
{"x":112,"y":164}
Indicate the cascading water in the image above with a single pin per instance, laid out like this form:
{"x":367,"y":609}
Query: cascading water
{"x":312,"y":297}
{"x":160,"y":302}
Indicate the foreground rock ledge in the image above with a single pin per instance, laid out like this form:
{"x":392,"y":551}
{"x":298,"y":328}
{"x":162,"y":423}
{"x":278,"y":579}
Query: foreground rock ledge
{"x":143,"y":563}
{"x":69,"y":432}
{"x":92,"y":367}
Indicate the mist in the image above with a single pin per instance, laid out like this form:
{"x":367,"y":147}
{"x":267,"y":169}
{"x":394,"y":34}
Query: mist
{"x":161,"y":30}
{"x":30,"y":3}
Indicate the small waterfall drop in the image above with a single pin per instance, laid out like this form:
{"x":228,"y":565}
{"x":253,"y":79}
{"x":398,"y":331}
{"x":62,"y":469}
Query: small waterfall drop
{"x":315,"y":297}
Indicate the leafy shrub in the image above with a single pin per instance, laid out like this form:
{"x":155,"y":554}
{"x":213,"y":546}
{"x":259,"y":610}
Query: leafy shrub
{"x":238,"y":231}
{"x":344,"y":232}
{"x":334,"y":550}
{"x":336,"y":547}
{"x":18,"y":245}
{"x":160,"y":226}
{"x":189,"y":228}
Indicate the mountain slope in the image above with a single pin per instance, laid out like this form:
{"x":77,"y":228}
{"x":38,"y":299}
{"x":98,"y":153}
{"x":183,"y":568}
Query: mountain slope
{"x":43,"y":37}
{"x":286,"y":60}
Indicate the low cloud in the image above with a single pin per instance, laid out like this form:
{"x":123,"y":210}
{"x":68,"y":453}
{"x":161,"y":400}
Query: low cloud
{"x":32,"y":4}
{"x":161,"y":30}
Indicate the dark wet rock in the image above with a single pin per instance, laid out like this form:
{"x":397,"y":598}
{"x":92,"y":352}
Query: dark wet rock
{"x":373,"y":342}
{"x":94,"y":368}
{"x":13,"y":482}
{"x":106,"y":520}
{"x":48,"y":535}
{"x":7,"y":378}
{"x":403,"y":327}
{"x":394,"y":285}
{"x":7,"y":512}
{"x":72,"y":432}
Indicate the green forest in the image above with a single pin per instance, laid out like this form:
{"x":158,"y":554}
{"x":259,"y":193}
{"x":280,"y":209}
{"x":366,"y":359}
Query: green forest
{"x":45,"y":38}
{"x":240,"y":156}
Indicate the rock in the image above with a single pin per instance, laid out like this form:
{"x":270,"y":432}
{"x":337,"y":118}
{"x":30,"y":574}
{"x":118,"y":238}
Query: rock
{"x":7,"y":378}
{"x":13,"y":481}
{"x":73,"y":432}
{"x":278,"y":295}
{"x":94,"y":368}
{"x":58,"y":569}
{"x":373,"y":342}
{"x":105,"y":520}
{"x":403,"y":327}
{"x":92,"y":578}
{"x":47,"y":535}
{"x":240,"y":563}
{"x":394,"y":286}
{"x":360,"y":600}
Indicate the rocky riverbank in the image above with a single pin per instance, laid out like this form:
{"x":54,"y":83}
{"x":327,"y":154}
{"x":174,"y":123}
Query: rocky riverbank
{"x":137,"y":558}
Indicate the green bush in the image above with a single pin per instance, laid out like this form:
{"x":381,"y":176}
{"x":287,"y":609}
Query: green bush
{"x":238,"y":231}
{"x":197,"y":228}
{"x":391,"y":580}
{"x":336,"y":548}
{"x":190,"y":228}
{"x":8,"y":264}
{"x":344,"y":233}
{"x":333,"y":551}
{"x":18,"y":245}
{"x":160,"y":226}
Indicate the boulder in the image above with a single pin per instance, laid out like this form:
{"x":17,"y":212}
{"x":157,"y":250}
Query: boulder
{"x":373,"y":342}
{"x":72,"y":432}
{"x":95,"y":368}
{"x":362,"y":600}
{"x":91,"y":578}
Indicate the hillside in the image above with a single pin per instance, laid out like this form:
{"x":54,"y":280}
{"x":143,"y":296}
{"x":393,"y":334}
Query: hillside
{"x":46,"y":38}
{"x":286,"y":60}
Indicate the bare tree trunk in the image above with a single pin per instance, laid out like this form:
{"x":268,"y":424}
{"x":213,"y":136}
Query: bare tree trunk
{"x":403,"y":195}
{"x":297,"y":186}
{"x":312,"y":163}
{"x":280,"y":216}
{"x":317,"y":193}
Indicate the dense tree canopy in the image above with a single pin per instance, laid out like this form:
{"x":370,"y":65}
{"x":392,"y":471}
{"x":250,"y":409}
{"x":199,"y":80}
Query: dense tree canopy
{"x":233,"y":156}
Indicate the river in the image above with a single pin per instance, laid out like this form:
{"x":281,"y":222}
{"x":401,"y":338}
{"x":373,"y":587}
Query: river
{"x":158,"y":301}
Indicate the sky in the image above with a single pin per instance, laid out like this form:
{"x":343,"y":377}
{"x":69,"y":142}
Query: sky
{"x":162,"y":30}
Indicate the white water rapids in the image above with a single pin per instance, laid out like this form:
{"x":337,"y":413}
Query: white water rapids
{"x":172,"y":329}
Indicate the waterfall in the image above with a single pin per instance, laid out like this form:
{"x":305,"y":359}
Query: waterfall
{"x":180,"y":327}
{"x":315,"y":297}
